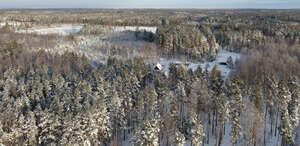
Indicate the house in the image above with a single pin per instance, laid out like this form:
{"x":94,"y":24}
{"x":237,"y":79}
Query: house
{"x":157,"y":67}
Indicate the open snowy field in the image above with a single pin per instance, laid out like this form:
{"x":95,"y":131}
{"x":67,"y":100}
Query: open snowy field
{"x":222,"y":56}
{"x":60,"y":30}
{"x":14,"y":24}
{"x":2,"y":24}
{"x":67,"y":29}
{"x":134,"y":28}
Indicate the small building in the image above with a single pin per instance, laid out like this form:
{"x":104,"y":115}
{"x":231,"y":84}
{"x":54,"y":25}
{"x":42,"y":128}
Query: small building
{"x":157,"y":67}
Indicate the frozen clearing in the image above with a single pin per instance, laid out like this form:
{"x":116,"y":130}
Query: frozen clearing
{"x":2,"y":24}
{"x":14,"y":24}
{"x":222,"y":56}
{"x":134,"y":28}
{"x":60,"y":30}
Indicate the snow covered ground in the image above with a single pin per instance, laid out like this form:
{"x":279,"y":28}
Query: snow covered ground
{"x":222,"y":56}
{"x":67,"y":29}
{"x":60,"y":30}
{"x":14,"y":24}
{"x":2,"y":24}
{"x":134,"y":28}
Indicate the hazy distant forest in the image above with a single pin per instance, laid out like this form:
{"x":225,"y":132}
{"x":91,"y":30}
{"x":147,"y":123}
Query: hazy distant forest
{"x":126,"y":77}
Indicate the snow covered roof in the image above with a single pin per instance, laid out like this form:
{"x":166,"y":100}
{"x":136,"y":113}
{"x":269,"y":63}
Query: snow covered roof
{"x":158,"y":66}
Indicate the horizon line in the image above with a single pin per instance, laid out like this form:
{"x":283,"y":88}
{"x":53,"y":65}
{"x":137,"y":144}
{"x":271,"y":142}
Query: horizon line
{"x":154,"y":8}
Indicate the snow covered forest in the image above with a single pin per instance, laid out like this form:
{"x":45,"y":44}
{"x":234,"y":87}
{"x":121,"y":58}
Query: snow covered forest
{"x":219,"y":80}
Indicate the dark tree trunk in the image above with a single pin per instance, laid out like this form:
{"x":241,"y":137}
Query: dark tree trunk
{"x":224,"y":128}
{"x":216,"y":124}
{"x":271,"y":124}
{"x":221,"y":137}
{"x":124,"y":137}
{"x":213,"y":123}
{"x":265,"y":126}
{"x":276,"y":122}
{"x":283,"y":141}
{"x":208,"y":128}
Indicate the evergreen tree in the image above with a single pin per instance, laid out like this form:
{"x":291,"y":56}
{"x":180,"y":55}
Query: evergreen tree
{"x":223,"y":116}
{"x":284,"y":97}
{"x":116,"y":112}
{"x":173,"y":125}
{"x":28,"y":128}
{"x":179,"y":139}
{"x":257,"y":97}
{"x":148,"y":134}
{"x":195,"y":130}
{"x":49,"y":128}
{"x":100,"y":122}
{"x":182,"y":100}
{"x":270,"y":91}
{"x":236,"y":107}
{"x":294,"y":103}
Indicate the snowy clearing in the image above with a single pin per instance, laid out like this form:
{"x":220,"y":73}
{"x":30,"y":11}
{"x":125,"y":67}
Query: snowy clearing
{"x":2,"y":24}
{"x":222,"y":56}
{"x":134,"y":28}
{"x":14,"y":24}
{"x":60,"y":30}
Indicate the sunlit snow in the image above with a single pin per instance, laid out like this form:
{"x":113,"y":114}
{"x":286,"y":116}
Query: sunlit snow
{"x":134,"y":28}
{"x":60,"y":30}
{"x":222,"y":56}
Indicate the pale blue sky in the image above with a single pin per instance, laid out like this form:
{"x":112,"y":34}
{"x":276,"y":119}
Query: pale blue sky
{"x":281,"y":4}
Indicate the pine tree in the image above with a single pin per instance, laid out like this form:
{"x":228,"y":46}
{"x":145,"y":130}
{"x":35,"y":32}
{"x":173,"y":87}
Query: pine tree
{"x":216,"y":80}
{"x":215,"y":84}
{"x":163,"y":93}
{"x":182,"y":99}
{"x":198,"y":73}
{"x":78,"y":131}
{"x":236,"y":107}
{"x":230,"y":62}
{"x":148,"y":134}
{"x":9,"y":84}
{"x":172,"y":123}
{"x":257,"y":97}
{"x":48,"y":126}
{"x":1,"y":130}
{"x":151,"y":100}
{"x":28,"y":128}
{"x":223,"y":116}
{"x":179,"y":139}
{"x":100,"y":122}
{"x":10,"y":130}
{"x":201,"y":101}
{"x":195,"y":130}
{"x":294,"y":103}
{"x":116,"y":112}
{"x":270,"y":91}
{"x":284,"y":97}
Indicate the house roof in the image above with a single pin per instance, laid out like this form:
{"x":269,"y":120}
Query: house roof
{"x":158,"y":66}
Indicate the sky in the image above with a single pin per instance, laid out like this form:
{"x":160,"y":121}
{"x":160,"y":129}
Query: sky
{"x":269,"y":4}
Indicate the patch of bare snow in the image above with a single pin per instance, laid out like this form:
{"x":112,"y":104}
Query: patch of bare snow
{"x":2,"y":24}
{"x":60,"y":30}
{"x":222,"y":56}
{"x":134,"y":28}
{"x":14,"y":24}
